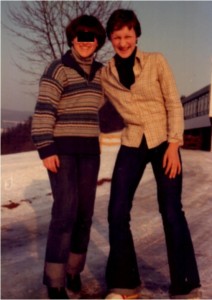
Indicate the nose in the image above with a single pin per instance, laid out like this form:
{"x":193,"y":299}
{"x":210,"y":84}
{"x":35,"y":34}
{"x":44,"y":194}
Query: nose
{"x":122,"y":42}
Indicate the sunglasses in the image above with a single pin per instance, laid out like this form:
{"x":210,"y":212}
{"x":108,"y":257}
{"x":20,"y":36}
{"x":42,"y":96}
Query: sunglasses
{"x":85,"y":36}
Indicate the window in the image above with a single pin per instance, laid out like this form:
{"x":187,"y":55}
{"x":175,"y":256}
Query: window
{"x":198,"y":106}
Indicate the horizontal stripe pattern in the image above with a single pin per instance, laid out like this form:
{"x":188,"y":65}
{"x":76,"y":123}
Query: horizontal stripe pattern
{"x":67,"y":105}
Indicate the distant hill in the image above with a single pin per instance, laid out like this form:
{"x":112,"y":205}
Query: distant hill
{"x":17,"y":138}
{"x":10,"y":118}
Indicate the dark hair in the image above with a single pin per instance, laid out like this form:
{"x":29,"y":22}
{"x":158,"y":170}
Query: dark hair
{"x":86,"y":23}
{"x":121,"y":18}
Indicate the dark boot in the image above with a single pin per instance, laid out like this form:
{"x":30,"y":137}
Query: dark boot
{"x":57,"y":293}
{"x":74,"y":282}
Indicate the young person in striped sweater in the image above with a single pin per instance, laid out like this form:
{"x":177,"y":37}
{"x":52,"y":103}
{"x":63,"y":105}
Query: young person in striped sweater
{"x":65,"y":131}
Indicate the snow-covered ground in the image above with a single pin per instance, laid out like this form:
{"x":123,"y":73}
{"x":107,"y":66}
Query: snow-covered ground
{"x":25,"y":212}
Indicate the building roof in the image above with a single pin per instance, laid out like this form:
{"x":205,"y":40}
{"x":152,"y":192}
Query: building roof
{"x":197,"y":94}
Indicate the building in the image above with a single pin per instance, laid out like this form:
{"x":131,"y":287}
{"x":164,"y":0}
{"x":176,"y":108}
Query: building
{"x":198,"y":125}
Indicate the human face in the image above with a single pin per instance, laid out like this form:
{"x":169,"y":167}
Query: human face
{"x":85,"y":48}
{"x":124,"y":41}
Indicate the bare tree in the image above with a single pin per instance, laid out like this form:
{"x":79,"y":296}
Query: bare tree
{"x":41,"y":26}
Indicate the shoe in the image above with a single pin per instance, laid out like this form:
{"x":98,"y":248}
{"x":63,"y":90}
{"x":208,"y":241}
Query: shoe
{"x":74,"y":283}
{"x":193,"y":294}
{"x":57,"y":293}
{"x":120,"y":296}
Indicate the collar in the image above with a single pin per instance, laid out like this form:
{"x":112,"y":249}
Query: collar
{"x":68,"y":60}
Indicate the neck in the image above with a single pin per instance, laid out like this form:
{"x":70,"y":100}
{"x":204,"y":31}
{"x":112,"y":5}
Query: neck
{"x":124,"y":67}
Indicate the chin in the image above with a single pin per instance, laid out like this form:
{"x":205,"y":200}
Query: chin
{"x":85,"y":55}
{"x":125,"y":55}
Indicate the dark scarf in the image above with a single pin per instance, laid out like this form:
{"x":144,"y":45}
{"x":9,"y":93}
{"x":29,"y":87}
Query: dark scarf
{"x":124,"y":67}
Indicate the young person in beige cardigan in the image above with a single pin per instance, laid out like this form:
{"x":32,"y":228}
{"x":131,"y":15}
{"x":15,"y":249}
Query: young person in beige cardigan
{"x":142,"y":88}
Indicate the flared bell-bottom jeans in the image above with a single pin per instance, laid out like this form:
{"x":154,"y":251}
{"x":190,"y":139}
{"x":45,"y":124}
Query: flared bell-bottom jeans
{"x":74,"y":189}
{"x":122,"y":274}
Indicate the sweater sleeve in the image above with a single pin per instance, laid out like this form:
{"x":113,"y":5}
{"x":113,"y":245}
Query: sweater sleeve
{"x":45,"y":114}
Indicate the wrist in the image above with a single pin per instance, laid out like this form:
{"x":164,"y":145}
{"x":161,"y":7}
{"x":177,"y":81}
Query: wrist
{"x":175,"y":145}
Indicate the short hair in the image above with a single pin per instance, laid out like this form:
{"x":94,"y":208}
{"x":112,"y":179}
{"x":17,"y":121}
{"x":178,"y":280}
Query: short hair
{"x":121,"y":18}
{"x":86,"y":23}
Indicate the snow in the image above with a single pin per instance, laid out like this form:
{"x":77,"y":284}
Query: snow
{"x":25,"y":212}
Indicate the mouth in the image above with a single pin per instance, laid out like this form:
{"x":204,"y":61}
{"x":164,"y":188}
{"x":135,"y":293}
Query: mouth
{"x":124,"y":49}
{"x":85,"y":48}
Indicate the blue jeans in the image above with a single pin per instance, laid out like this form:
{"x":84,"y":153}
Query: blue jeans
{"x":122,"y":271}
{"x":73,"y":189}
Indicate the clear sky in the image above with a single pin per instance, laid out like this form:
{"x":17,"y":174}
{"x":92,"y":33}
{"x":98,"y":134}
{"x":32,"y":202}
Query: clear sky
{"x":181,"y":30}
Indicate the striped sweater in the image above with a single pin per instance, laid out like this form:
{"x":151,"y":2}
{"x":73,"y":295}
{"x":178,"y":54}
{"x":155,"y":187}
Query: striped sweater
{"x":66,"y":114}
